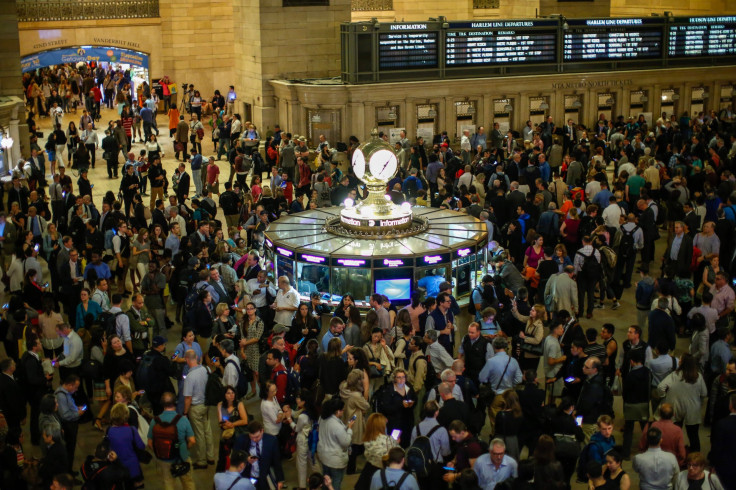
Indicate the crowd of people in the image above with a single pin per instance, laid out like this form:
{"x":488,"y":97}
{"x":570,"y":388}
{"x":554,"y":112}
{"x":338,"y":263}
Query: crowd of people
{"x":95,"y":294}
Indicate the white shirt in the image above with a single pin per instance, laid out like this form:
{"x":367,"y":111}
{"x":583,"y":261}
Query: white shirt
{"x":464,"y":143}
{"x":288,"y":299}
{"x":611,"y":215}
{"x":259,"y":299}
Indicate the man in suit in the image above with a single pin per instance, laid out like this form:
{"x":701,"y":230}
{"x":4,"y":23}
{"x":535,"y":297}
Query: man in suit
{"x":251,"y":268}
{"x":571,"y":137}
{"x":36,"y":382}
{"x":679,"y":254}
{"x":723,"y":450}
{"x":219,"y":287}
{"x":496,"y":137}
{"x":72,"y":282}
{"x":38,"y":168}
{"x":159,"y":218}
{"x":264,"y":460}
{"x":12,"y":402}
{"x":8,"y":236}
{"x":546,"y":130}
{"x":692,"y":220}
{"x":182,"y":188}
{"x":648,"y":224}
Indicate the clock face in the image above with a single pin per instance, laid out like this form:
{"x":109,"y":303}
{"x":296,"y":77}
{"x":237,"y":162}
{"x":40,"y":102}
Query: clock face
{"x":358,"y":163}
{"x":383,"y":164}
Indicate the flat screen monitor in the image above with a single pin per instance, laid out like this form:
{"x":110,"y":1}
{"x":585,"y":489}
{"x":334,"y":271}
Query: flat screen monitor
{"x":394,"y":289}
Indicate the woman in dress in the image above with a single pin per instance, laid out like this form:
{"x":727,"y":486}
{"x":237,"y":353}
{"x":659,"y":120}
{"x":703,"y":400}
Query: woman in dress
{"x":249,"y":336}
{"x":242,"y":298}
{"x":116,"y":358}
{"x":233,"y":419}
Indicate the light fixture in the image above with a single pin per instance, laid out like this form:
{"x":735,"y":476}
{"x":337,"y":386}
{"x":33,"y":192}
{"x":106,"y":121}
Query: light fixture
{"x":392,"y":114}
{"x":643,"y":99}
{"x":432,"y":113}
{"x":508,"y":108}
{"x":7,"y":142}
{"x":544,"y":106}
{"x":471,"y":109}
{"x":387,"y":197}
{"x":316,"y":118}
{"x":610,"y":101}
{"x":348,"y":202}
{"x":675,"y":96}
{"x":705,"y":94}
{"x":664,"y":97}
{"x":576,"y":104}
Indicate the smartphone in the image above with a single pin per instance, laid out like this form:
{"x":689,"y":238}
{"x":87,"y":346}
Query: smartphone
{"x":83,"y":407}
{"x":570,"y":379}
{"x":6,"y":306}
{"x":141,"y":391}
{"x":91,"y":186}
{"x":225,"y":418}
{"x":45,"y":285}
{"x":53,"y":363}
{"x":208,"y":266}
{"x":138,"y":359}
{"x":36,"y":247}
{"x":579,"y":420}
{"x":355,"y":416}
{"x":300,"y":342}
{"x":395,"y":434}
{"x":447,"y":468}
{"x":176,"y":354}
{"x":253,"y":481}
{"x":214,"y":359}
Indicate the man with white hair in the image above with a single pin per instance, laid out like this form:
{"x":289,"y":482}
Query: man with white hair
{"x":286,"y":302}
{"x":447,"y":376}
{"x":465,"y":147}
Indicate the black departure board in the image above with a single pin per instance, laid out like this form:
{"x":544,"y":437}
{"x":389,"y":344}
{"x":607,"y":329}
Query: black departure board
{"x":408,"y":46}
{"x":613,"y":39}
{"x":702,"y":36}
{"x":500,"y":42}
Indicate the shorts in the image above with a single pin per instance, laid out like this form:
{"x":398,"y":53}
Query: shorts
{"x":214,"y":188}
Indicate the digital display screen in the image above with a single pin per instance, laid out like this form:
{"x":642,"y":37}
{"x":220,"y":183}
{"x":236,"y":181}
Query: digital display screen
{"x":405,"y":48}
{"x":613,"y":39}
{"x":394,"y":289}
{"x":490,"y":43}
{"x":702,"y":36}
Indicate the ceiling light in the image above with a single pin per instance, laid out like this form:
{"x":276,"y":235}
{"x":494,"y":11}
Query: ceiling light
{"x":316,"y":118}
{"x":544,"y":106}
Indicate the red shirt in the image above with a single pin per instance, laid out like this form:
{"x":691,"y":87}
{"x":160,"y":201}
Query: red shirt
{"x":128,"y":125}
{"x":281,"y":381}
{"x":212,"y":172}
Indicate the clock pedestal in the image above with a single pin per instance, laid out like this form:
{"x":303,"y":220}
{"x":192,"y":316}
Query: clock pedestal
{"x":377,"y":215}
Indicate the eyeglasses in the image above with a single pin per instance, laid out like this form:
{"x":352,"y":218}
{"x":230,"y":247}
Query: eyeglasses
{"x":399,"y":376}
{"x":694,"y":465}
{"x":501,"y":454}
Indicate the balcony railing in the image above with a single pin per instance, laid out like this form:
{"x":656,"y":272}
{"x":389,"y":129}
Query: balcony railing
{"x":49,"y":11}
{"x":371,"y":5}
{"x":486,"y":4}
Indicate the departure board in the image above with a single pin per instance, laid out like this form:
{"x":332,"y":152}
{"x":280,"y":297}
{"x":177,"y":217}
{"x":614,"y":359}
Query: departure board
{"x":613,"y":39}
{"x":408,"y":46}
{"x":702,"y":36}
{"x":496,"y":42}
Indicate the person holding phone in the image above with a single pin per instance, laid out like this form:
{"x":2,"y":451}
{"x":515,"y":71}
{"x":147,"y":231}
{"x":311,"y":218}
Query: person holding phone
{"x":356,"y":408}
{"x":398,"y":404}
{"x":231,"y":478}
{"x":69,"y":414}
{"x":335,"y":438}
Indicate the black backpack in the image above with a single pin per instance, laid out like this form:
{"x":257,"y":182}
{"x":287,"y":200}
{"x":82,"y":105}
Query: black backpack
{"x":108,"y":321}
{"x":430,"y":377}
{"x":411,"y":187}
{"x":385,"y":485}
{"x":419,"y":455}
{"x":626,"y":245}
{"x":591,"y":268}
{"x":242,"y":386}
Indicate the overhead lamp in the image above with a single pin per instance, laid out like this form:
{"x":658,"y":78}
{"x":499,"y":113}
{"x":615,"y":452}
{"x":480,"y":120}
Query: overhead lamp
{"x":664,"y":97}
{"x":432,"y":113}
{"x":576,"y":104}
{"x":392,"y":114}
{"x":675,"y":96}
{"x":7,"y":142}
{"x":643,"y":99}
{"x":471,"y":109}
{"x":316,"y":118}
{"x":705,"y":95}
{"x":544,"y":106}
{"x":508,"y":108}
{"x":610,"y":101}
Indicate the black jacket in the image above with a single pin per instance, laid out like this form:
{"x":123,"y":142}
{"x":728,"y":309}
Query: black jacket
{"x":34,"y":379}
{"x":270,"y":460}
{"x":595,"y":399}
{"x":637,"y":386}
{"x":53,"y":464}
{"x":12,"y":401}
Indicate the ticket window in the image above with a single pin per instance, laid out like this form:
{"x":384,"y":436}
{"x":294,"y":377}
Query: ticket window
{"x":353,"y":280}
{"x":323,"y":122}
{"x":573,"y":108}
{"x":669,"y":103}
{"x":387,"y":118}
{"x":429,"y":279}
{"x":312,"y":278}
{"x":465,"y":112}
{"x":502,"y":109}
{"x":727,"y":96}
{"x":698,"y":101}
{"x":606,"y":106}
{"x":427,"y":122}
{"x":538,"y":109}
{"x":464,"y":278}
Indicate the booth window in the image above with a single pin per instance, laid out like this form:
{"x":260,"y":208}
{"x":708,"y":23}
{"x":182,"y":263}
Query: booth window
{"x":323,"y":121}
{"x":465,"y":111}
{"x":356,"y":281}
{"x":312,"y":278}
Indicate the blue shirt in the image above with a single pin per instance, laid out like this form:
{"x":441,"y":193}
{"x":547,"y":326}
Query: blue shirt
{"x":102,"y":270}
{"x":431,"y":284}
{"x":146,"y":115}
{"x":197,"y":162}
{"x":439,"y":440}
{"x":393,"y":475}
{"x":494,"y":368}
{"x":489,"y":476}
{"x":601,"y":198}
{"x":183,"y":429}
{"x":676,"y":242}
{"x":226,"y":480}
{"x":172,"y":243}
{"x":329,"y":336}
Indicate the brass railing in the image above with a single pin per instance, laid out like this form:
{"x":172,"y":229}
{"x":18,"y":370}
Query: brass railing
{"x":369,"y":5}
{"x":486,"y":4}
{"x":46,"y":11}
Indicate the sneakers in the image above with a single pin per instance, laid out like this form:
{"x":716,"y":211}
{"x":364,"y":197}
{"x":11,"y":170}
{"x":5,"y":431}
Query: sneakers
{"x":599,"y":306}
{"x":616,"y":305}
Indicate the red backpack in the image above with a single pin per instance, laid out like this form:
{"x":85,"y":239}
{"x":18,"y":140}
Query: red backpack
{"x":166,"y":439}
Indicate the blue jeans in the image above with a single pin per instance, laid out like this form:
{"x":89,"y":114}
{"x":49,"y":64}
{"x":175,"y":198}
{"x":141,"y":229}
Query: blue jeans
{"x":336,"y":474}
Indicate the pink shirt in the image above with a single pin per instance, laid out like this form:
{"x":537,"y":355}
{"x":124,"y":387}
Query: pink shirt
{"x":723,"y":298}
{"x":212,"y":172}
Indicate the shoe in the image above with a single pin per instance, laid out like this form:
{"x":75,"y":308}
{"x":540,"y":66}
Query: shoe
{"x":599,"y":306}
{"x":589,"y":315}
{"x":199,"y":466}
{"x":616,"y":305}
{"x":210,"y":462}
{"x":250,"y":395}
{"x":98,"y":425}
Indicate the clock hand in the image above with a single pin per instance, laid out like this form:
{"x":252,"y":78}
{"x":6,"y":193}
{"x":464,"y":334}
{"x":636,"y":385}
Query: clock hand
{"x":385,"y":165}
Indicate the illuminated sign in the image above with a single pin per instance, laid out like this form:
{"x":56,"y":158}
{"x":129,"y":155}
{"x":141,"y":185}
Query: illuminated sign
{"x":349,"y":262}
{"x":433,"y":259}
{"x":313,"y":259}
{"x":269,"y":243}
{"x":284,"y":252}
{"x":463,"y":252}
{"x":395,"y":222}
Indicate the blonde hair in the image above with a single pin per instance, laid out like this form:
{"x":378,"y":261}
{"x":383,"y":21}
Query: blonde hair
{"x":125,"y":391}
{"x":220,"y":309}
{"x":374,"y":427}
{"x":119,"y":414}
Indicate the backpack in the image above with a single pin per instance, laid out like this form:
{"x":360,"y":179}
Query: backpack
{"x":242,"y":387}
{"x":378,"y":402}
{"x":109,"y":234}
{"x":108,"y":321}
{"x":192,"y":298}
{"x":591,"y":268}
{"x":142,"y":378}
{"x":584,"y":458}
{"x":431,"y":375}
{"x":471,"y":303}
{"x":411,"y":187}
{"x":213,"y":390}
{"x":313,"y":440}
{"x":292,"y":386}
{"x":165,"y":438}
{"x":609,"y":256}
{"x":419,"y":455}
{"x":395,"y":485}
{"x":661,"y":218}
{"x":626,"y":244}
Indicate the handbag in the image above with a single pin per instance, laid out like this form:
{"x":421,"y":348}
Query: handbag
{"x":533,"y":349}
{"x":374,"y":372}
{"x":179,"y":146}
